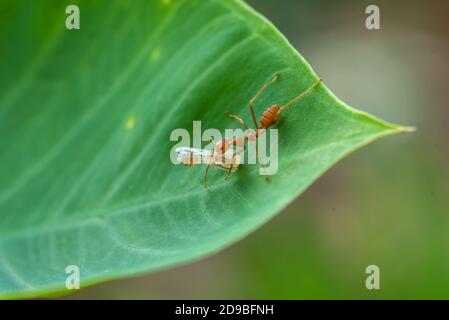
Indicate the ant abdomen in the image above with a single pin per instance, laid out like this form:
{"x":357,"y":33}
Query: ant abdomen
{"x":270,"y":116}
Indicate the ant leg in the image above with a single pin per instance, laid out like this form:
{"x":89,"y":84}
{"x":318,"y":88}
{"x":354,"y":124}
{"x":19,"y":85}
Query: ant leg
{"x":239,"y":141}
{"x":300,"y":95}
{"x":231,"y":167}
{"x":207,"y":168}
{"x":229,"y":172}
{"x":239,"y":119}
{"x":260,"y":159}
{"x":275,"y":78}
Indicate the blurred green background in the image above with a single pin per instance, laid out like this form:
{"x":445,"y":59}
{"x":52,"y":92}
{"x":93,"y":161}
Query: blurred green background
{"x":385,"y":205}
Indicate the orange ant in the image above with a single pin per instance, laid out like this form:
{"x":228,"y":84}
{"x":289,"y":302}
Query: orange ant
{"x":268,"y":118}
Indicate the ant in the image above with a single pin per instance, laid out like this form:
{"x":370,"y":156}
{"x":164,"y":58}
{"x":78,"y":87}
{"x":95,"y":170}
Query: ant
{"x":221,"y":149}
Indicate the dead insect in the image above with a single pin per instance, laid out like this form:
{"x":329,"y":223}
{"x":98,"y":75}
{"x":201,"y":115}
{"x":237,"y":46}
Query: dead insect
{"x":221,"y":156}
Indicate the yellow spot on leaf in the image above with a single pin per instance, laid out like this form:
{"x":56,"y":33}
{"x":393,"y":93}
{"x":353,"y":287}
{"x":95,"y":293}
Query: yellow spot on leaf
{"x":131,"y":122}
{"x":166,"y":2}
{"x":155,"y":54}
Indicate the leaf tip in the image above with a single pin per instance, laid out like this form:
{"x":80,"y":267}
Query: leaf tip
{"x":406,"y":129}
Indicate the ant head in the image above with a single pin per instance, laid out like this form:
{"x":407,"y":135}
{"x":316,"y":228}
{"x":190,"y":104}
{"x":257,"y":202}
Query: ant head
{"x":221,"y":146}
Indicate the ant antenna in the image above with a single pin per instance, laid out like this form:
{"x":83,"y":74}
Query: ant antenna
{"x":300,"y":96}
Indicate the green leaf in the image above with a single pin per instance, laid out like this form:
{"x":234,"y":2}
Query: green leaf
{"x":86,"y":116}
